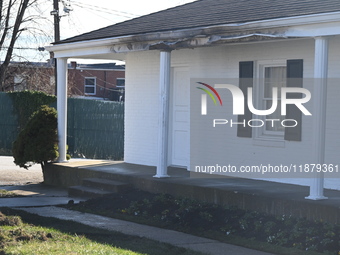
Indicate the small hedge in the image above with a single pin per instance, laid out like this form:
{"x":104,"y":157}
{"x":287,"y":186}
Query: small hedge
{"x":38,"y":141}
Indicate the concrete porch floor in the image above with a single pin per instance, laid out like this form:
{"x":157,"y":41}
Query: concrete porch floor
{"x":264,"y":196}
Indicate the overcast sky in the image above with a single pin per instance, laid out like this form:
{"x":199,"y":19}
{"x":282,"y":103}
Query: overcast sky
{"x":85,"y":16}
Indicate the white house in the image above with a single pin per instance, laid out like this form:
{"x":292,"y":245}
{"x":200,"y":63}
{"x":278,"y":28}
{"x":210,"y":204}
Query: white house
{"x":257,"y":44}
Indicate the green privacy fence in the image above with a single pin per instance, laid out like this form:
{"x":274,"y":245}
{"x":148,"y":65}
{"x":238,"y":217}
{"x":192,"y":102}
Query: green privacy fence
{"x":95,"y":128}
{"x":9,"y":126}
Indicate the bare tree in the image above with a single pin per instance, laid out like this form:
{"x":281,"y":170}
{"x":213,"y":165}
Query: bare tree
{"x":16,"y":17}
{"x":38,"y":76}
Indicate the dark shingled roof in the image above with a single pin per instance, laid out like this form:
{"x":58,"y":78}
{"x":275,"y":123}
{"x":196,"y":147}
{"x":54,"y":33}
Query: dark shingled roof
{"x":210,"y":12}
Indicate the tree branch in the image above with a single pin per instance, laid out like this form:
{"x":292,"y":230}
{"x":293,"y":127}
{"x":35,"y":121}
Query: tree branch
{"x":6,"y":27}
{"x":16,"y":31}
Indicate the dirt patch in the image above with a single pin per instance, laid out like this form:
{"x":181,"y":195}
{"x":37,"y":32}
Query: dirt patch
{"x":18,"y":233}
{"x":9,"y":220}
{"x":216,"y":222}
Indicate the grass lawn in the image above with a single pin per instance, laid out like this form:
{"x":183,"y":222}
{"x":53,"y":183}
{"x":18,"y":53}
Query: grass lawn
{"x":5,"y":193}
{"x":32,"y":234}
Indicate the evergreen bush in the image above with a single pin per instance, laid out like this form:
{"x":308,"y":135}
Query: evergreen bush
{"x":38,"y":141}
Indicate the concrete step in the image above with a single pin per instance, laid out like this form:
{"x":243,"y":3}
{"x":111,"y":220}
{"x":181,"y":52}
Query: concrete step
{"x":86,"y":192}
{"x":106,"y":185}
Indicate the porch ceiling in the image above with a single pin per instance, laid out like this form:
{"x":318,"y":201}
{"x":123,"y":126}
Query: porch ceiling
{"x":89,"y":52}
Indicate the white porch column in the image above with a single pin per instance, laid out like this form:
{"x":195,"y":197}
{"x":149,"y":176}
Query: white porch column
{"x":62,"y":107}
{"x":319,"y":114}
{"x":164,"y":90}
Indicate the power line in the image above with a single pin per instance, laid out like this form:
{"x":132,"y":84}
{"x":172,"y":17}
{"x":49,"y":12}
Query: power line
{"x":105,"y":10}
{"x":102,"y":11}
{"x":94,"y":12}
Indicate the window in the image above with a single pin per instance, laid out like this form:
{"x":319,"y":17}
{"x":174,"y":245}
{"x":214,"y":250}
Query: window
{"x":272,"y":75}
{"x":19,"y":82}
{"x":90,"y":85}
{"x":120,"y":82}
{"x":52,"y":80}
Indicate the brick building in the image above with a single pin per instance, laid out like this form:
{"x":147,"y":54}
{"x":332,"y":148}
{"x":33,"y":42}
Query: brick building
{"x":37,"y":76}
{"x":101,"y":81}
{"x":97,"y":80}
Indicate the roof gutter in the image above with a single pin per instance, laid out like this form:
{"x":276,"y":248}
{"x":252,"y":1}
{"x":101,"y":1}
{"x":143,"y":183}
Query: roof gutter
{"x":202,"y":31}
{"x":196,"y":42}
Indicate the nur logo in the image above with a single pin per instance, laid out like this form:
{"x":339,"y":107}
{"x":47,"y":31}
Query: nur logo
{"x":204,"y":97}
{"x":238,"y":99}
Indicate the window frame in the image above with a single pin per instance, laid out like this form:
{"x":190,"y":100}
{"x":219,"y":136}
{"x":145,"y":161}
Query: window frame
{"x":87,"y":86}
{"x":19,"y":82}
{"x":259,"y":100}
{"x":120,"y":86}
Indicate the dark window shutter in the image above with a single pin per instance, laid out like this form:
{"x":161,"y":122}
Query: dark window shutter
{"x":294,"y":79}
{"x":246,"y":74}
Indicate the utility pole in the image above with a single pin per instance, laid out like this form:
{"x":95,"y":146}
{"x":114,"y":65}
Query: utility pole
{"x":57,"y":17}
{"x":55,"y":13}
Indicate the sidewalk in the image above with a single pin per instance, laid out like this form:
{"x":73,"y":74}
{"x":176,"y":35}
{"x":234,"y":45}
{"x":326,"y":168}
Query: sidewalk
{"x":36,"y":195}
{"x":26,"y":183}
{"x":175,"y":238}
{"x":11,"y":174}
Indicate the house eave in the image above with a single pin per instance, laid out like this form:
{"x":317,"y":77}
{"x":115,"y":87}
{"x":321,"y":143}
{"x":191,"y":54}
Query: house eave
{"x":287,"y":26}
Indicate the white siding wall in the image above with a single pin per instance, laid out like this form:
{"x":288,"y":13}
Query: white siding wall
{"x":141,"y":108}
{"x":333,"y":106}
{"x":222,"y":62}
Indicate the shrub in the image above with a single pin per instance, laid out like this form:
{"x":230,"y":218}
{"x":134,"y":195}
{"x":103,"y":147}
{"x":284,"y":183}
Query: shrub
{"x":38,"y":141}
